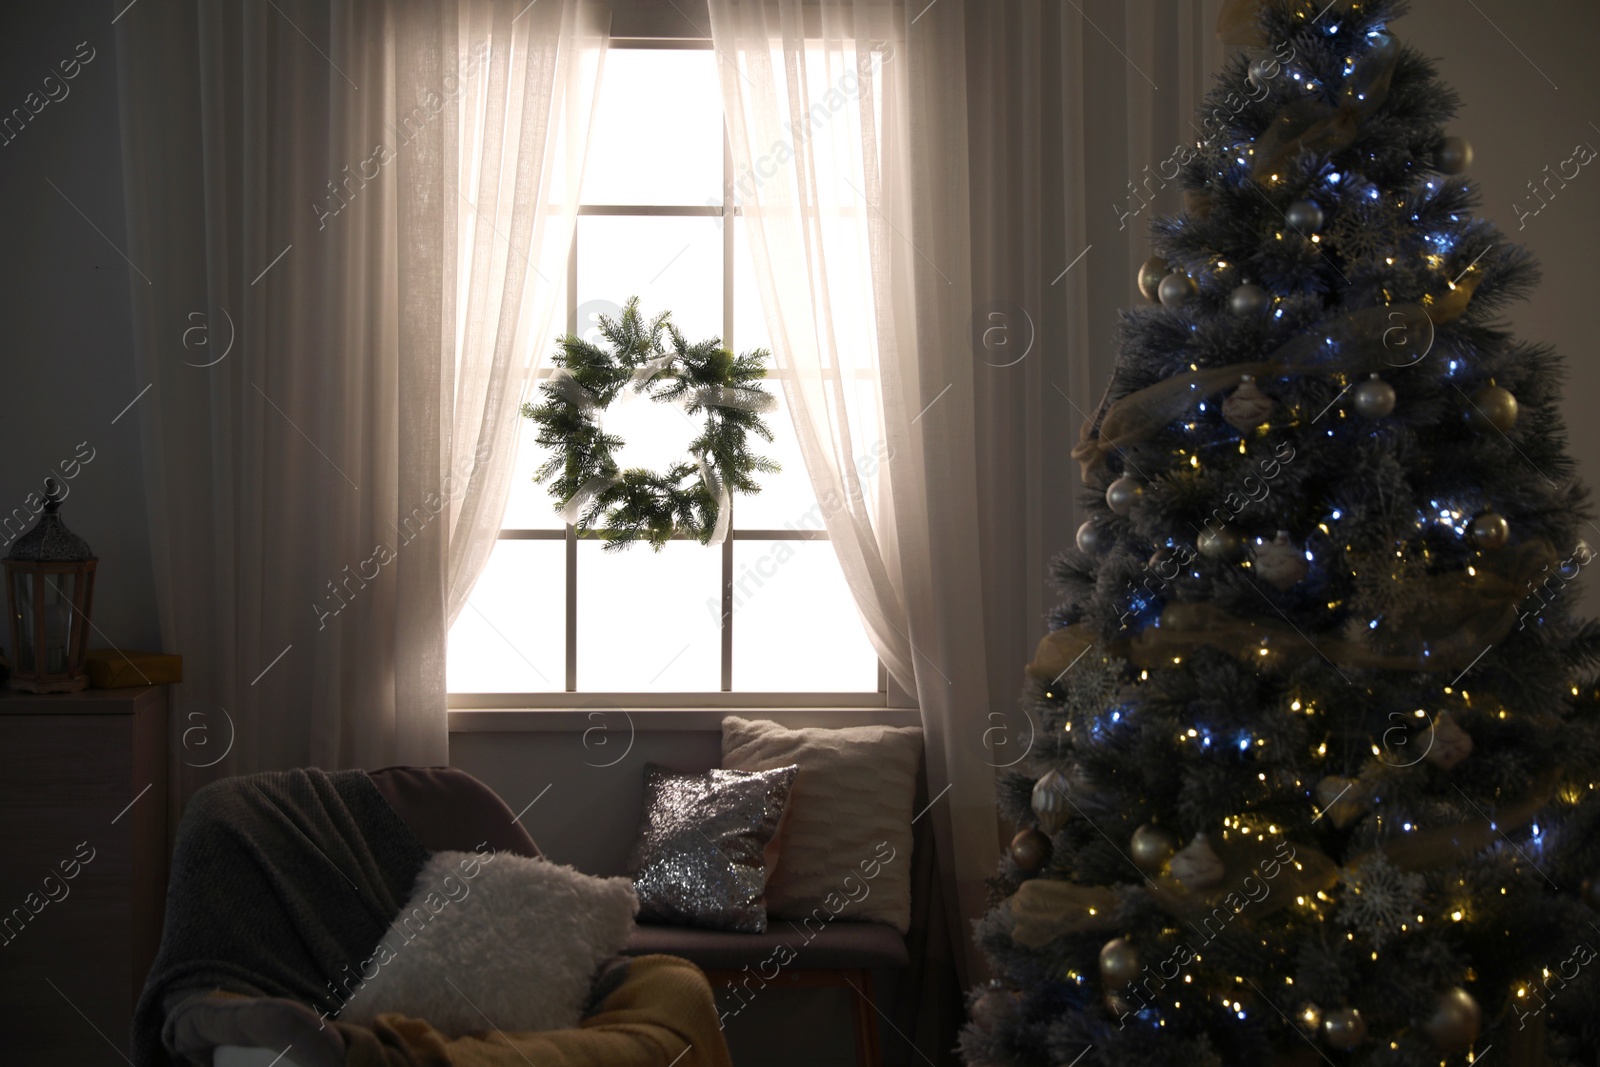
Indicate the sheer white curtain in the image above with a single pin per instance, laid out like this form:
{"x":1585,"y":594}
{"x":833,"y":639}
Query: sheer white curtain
{"x":983,"y":170}
{"x":847,"y":121}
{"x":348,"y":219}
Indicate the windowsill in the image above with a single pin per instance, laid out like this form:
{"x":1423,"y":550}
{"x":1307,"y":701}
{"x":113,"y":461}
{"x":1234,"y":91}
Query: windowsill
{"x":571,"y":720}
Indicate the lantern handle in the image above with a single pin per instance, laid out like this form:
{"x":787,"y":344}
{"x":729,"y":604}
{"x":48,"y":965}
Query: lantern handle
{"x":53,"y":496}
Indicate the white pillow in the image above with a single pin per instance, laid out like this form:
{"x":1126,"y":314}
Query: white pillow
{"x":495,"y":942}
{"x":844,"y":847}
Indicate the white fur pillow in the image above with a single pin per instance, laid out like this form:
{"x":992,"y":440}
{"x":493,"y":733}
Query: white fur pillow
{"x":494,"y":942}
{"x":844,"y":848}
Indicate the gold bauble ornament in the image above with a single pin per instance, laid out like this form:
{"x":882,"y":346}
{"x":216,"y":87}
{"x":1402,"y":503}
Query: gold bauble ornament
{"x":1150,"y":274}
{"x":1455,"y":1023}
{"x":1222,"y":544}
{"x":1454,"y":155}
{"x":1489,"y":530}
{"x":1492,"y":408}
{"x":1344,"y":1028}
{"x":1247,"y":406}
{"x":1119,"y":963}
{"x":1030,"y":850}
{"x":1152,"y":846}
{"x":1374,"y":398}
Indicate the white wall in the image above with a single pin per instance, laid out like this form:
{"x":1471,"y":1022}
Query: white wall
{"x":66,"y":361}
{"x":1519,"y":120}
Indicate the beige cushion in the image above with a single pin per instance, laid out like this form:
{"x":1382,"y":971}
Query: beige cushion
{"x":844,"y":849}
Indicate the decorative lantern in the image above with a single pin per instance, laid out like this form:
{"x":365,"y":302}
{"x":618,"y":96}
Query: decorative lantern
{"x":49,"y":587}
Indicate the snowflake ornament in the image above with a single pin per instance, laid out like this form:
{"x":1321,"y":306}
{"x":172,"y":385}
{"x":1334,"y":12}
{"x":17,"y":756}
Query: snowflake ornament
{"x":1368,"y":227}
{"x":1379,"y":898}
{"x":1389,"y":584}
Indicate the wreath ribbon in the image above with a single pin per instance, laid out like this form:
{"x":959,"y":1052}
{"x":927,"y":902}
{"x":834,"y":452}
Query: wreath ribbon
{"x":694,"y":495}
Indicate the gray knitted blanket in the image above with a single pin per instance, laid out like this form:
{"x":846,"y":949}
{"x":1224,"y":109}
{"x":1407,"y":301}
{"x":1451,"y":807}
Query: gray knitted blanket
{"x":281,"y":883}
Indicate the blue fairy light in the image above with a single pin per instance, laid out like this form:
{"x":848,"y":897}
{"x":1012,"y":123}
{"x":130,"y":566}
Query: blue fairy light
{"x":1372,"y":194}
{"x":1337,"y":513}
{"x":1333,"y":179}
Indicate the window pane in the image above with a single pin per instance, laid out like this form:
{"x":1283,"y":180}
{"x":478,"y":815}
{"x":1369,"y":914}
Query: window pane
{"x":795,"y":626}
{"x":670,"y":264}
{"x":786,"y":500}
{"x":657,"y":129}
{"x":511,"y":636}
{"x":649,"y":621}
{"x":529,"y":505}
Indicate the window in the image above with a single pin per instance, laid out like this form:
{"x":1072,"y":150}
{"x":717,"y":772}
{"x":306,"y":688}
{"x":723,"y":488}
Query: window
{"x":764,"y":619}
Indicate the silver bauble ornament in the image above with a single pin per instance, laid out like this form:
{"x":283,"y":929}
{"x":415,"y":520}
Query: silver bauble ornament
{"x":1280,"y":562}
{"x":1091,"y":538}
{"x":1489,"y":530}
{"x":1152,"y":846}
{"x":1454,"y":155}
{"x":1247,"y":406}
{"x":1249,"y":300}
{"x":1263,"y":71}
{"x":1196,"y":865}
{"x":1121,"y":494}
{"x":1119,"y":963}
{"x":1451,"y":744}
{"x":1221,"y":544}
{"x":1305,"y":216}
{"x":1340,"y":799}
{"x":1455,"y":1022}
{"x":1050,"y":801}
{"x":1150,"y":274}
{"x":1176,"y":290}
{"x":1030,"y":850}
{"x":1344,"y":1028}
{"x":1492,"y":408}
{"x":1374,"y":398}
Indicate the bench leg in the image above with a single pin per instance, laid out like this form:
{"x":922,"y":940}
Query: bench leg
{"x":867,"y":1054}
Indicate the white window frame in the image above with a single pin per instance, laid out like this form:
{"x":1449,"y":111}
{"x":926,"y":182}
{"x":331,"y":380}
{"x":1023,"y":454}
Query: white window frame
{"x":724,"y":698}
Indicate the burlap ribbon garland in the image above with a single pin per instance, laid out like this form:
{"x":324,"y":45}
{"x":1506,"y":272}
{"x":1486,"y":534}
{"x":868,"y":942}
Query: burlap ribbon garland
{"x":1043,"y":909}
{"x":1359,"y":342}
{"x":1461,"y":615}
{"x":1322,"y":129}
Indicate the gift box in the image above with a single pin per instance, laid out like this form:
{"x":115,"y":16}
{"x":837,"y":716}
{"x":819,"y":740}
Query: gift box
{"x":112,"y":669}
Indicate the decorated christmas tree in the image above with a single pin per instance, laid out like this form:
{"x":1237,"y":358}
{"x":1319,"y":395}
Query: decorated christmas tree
{"x":1315,"y":769}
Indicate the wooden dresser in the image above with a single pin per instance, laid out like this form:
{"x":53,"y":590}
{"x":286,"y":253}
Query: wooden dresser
{"x":83,"y":792}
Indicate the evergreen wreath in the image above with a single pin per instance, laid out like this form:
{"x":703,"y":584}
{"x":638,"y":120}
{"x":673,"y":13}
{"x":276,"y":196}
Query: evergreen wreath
{"x":693,"y":496}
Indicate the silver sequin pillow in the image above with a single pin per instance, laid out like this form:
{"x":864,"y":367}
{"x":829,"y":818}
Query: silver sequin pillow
{"x":699,"y":859}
